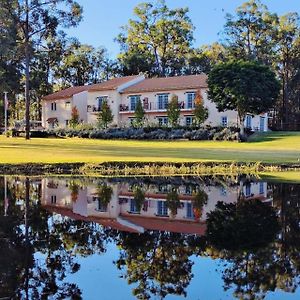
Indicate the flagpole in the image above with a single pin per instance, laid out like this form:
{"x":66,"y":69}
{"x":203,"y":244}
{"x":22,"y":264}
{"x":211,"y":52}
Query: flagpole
{"x":5,"y":112}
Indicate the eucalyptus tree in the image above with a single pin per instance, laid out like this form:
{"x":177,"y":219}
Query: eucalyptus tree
{"x":36,"y":21}
{"x":82,"y":64}
{"x":250,"y":33}
{"x":160,"y":35}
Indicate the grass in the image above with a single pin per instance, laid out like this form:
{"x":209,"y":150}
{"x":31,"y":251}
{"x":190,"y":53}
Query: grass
{"x":281,"y":177}
{"x":274,"y":148}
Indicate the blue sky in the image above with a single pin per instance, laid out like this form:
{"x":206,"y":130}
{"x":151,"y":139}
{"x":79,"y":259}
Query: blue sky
{"x":103,"y":18}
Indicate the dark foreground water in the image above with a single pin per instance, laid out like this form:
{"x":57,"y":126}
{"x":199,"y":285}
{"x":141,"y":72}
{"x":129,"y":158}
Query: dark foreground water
{"x":199,"y":238}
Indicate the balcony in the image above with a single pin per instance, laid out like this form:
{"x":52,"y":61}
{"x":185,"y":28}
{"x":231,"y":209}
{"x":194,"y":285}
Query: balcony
{"x":93,"y":108}
{"x":153,"y":107}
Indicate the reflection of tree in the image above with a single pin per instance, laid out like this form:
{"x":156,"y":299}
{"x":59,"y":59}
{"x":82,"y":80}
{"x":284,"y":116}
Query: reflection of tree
{"x":158,"y":262}
{"x":199,"y":200}
{"x":139,"y":198}
{"x":173,"y":202}
{"x":29,"y":229}
{"x":74,"y":189}
{"x":104,"y":194}
{"x":243,"y":234}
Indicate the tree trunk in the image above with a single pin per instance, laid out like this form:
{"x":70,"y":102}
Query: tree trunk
{"x":27,"y":63}
{"x":242,"y":125}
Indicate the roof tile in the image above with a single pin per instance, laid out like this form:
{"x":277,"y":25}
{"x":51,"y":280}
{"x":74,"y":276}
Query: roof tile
{"x":168,"y":84}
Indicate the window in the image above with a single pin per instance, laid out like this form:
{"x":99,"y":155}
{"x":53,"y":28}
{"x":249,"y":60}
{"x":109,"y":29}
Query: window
{"x":163,"y":188}
{"x":188,"y":121}
{"x":162,"y":121}
{"x":223,"y":191}
{"x":191,"y":100}
{"x":188,"y":190}
{"x":133,"y":207}
{"x":162,"y":209}
{"x":163,"y":100}
{"x":261,"y":188}
{"x":68,"y":105}
{"x":67,"y":122}
{"x":133,"y":101}
{"x":53,"y":106}
{"x":248,"y":190}
{"x":262,"y":124}
{"x":189,"y":211}
{"x":102,"y":206}
{"x":224,"y":121}
{"x":53,"y":199}
{"x":248,"y":121}
{"x":100,"y":101}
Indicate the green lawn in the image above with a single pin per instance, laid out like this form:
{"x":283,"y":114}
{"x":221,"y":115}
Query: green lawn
{"x":271,"y":148}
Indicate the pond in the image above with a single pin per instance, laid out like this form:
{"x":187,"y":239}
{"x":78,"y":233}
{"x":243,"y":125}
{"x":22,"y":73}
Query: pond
{"x":214,"y":237}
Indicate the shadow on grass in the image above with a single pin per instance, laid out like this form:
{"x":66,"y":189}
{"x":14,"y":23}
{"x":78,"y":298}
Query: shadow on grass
{"x":271,"y":136}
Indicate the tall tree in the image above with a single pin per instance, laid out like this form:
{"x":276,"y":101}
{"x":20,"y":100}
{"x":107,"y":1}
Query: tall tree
{"x":139,"y":114}
{"x":159,"y":34}
{"x":247,"y":87}
{"x":82,"y":64}
{"x":287,"y":65}
{"x":36,"y":21}
{"x":250,"y":33}
{"x":105,"y":115}
{"x":200,"y":112}
{"x":173,"y":111}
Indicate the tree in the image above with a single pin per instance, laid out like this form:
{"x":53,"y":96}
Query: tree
{"x":160,"y":35}
{"x":74,"y":121}
{"x":173,"y":202}
{"x":287,"y":64}
{"x":173,"y":111}
{"x":105,"y":115}
{"x":250,"y":34}
{"x":82,"y":64}
{"x":200,"y":112}
{"x":202,"y":60}
{"x":247,"y":87}
{"x":38,"y":20}
{"x":139,"y":198}
{"x":139,"y":114}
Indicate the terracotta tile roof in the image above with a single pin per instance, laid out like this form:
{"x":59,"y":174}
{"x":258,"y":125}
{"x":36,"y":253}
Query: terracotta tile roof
{"x":168,"y":83}
{"x":67,"y":93}
{"x":107,"y":222}
{"x":168,"y":224}
{"x":111,"y":84}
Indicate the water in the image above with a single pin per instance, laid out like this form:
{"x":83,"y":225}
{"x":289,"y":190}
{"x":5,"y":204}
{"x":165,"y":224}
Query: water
{"x":149,"y":238}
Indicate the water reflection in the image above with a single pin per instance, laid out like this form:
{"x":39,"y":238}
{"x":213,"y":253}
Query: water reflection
{"x":159,"y":225}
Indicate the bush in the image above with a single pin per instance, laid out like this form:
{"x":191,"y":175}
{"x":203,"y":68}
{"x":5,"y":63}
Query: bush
{"x":150,"y":133}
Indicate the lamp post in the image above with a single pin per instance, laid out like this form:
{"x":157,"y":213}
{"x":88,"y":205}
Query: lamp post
{"x":5,"y":112}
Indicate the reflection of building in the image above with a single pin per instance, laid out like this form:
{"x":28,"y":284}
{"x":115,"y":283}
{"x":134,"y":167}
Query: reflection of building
{"x":81,"y":201}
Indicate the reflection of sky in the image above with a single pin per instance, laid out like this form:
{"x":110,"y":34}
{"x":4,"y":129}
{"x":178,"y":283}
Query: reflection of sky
{"x":98,"y":278}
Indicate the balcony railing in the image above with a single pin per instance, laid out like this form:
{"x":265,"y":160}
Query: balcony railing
{"x":153,"y":106}
{"x":93,"y":108}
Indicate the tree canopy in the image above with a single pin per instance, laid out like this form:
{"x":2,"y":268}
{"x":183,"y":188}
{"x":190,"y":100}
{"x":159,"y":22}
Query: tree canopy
{"x":245,"y":86}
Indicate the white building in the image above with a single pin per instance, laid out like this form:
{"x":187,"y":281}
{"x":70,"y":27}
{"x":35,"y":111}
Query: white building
{"x":123,"y":93}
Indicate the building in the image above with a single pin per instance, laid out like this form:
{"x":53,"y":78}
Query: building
{"x":122,"y":95}
{"x":122,"y":212}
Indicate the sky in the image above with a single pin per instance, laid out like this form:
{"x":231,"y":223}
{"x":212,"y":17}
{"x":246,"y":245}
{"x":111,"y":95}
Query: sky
{"x":102,"y":19}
